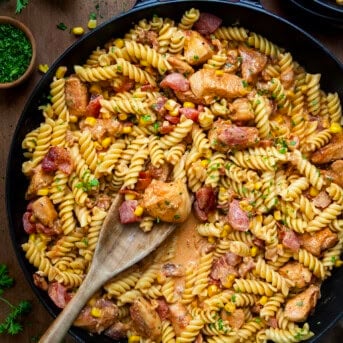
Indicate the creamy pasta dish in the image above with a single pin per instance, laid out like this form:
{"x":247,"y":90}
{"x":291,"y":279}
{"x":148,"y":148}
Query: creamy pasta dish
{"x":190,"y":116}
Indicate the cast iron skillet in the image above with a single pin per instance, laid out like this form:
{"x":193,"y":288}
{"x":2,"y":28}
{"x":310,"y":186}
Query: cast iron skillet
{"x":305,"y":49}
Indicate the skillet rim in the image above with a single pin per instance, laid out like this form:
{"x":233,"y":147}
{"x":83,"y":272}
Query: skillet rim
{"x":42,"y":84}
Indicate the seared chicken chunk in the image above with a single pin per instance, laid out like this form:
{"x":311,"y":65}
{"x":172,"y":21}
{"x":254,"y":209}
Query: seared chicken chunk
{"x":168,"y":201}
{"x":299,"y":307}
{"x":205,"y":83}
{"x":76,"y":96}
{"x":319,"y":241}
{"x":145,"y":319}
{"x":241,"y":110}
{"x":296,"y":272}
{"x":196,"y":49}
{"x":179,"y":317}
{"x":40,"y":179}
{"x":330,"y":152}
{"x":44,"y":211}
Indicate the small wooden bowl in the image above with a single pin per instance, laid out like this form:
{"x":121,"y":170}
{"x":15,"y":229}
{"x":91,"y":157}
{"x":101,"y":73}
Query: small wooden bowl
{"x":29,"y":35}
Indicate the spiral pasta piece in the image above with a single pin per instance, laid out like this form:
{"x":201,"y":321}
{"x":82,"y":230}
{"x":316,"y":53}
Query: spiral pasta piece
{"x":177,"y":135}
{"x":253,"y":286}
{"x":189,"y":18}
{"x":313,"y":93}
{"x":334,"y":107}
{"x":262,"y":113}
{"x":58,"y":100}
{"x":311,"y":262}
{"x":232,"y":33}
{"x":96,"y":73}
{"x":263,"y":44}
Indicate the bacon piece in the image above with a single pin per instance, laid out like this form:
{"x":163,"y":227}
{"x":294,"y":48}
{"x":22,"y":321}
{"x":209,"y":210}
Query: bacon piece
{"x":322,"y":200}
{"x":232,"y":259}
{"x":235,"y":319}
{"x":205,"y":202}
{"x":126,"y":212}
{"x":237,"y":218}
{"x":57,"y":158}
{"x":171,"y":269}
{"x":166,"y":127}
{"x":125,"y":84}
{"x":172,"y":119}
{"x":247,"y":265}
{"x":207,"y":23}
{"x":225,"y":136}
{"x":190,"y":113}
{"x":28,"y":226}
{"x":58,"y":294}
{"x":199,"y":213}
{"x":175,"y":81}
{"x":272,"y":321}
{"x":158,"y":106}
{"x":290,"y":240}
{"x":93,"y":107}
{"x":253,"y":62}
{"x":76,"y":96}
{"x":160,"y":173}
{"x":162,"y":309}
{"x":318,"y":241}
{"x":145,"y":319}
{"x":179,"y":317}
{"x":221,"y":269}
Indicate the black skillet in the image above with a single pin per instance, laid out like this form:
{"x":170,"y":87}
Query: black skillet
{"x":249,"y":14}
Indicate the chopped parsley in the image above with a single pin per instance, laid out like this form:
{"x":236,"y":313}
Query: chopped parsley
{"x":177,"y":216}
{"x":61,"y":26}
{"x":195,"y":57}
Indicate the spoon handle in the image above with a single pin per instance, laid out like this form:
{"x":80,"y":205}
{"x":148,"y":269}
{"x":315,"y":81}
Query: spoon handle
{"x":60,"y":326}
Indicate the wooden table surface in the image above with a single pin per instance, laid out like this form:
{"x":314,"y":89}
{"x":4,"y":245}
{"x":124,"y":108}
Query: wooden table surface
{"x":42,"y":16}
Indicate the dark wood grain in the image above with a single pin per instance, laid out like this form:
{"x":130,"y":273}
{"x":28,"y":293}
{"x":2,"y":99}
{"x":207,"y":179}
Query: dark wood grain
{"x":42,"y":16}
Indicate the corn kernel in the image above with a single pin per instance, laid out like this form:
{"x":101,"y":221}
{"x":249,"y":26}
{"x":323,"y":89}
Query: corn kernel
{"x":91,"y":121}
{"x":224,"y":233}
{"x":212,"y":290}
{"x":96,"y":312}
{"x":263,"y":300}
{"x":170,"y":104}
{"x":77,"y":30}
{"x":95,"y":89}
{"x":119,"y":43}
{"x":290,"y":94}
{"x":335,"y":128}
{"x":130,"y":196}
{"x":60,"y":72}
{"x":229,"y":281}
{"x":338,"y":263}
{"x":313,"y":191}
{"x":32,"y":237}
{"x":106,"y":142}
{"x":280,"y":246}
{"x":211,"y":239}
{"x":161,"y":278}
{"x":230,"y":307}
{"x":144,"y":63}
{"x":92,"y":24}
{"x":174,"y":112}
{"x":127,"y":129}
{"x":277,"y":215}
{"x":253,"y":251}
{"x":122,"y":116}
{"x":303,"y":88}
{"x":43,"y":191}
{"x":73,"y":119}
{"x":205,"y":163}
{"x":138,"y":211}
{"x":43,"y":68}
{"x":134,"y":339}
{"x":188,"y":104}
{"x":227,"y":227}
{"x":219,"y":72}
{"x":257,"y":185}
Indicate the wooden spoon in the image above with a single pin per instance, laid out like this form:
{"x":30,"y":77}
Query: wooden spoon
{"x":119,"y":247}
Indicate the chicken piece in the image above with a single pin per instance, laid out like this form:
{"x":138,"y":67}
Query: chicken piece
{"x":241,"y":110}
{"x":224,"y":136}
{"x":188,"y":96}
{"x":145,"y":319}
{"x":102,"y":128}
{"x":296,"y":272}
{"x":299,"y":307}
{"x":207,"y":84}
{"x":118,"y":331}
{"x":319,"y":241}
{"x":322,"y":200}
{"x":180,"y":66}
{"x":335,"y":173}
{"x":253,"y":62}
{"x":76,"y":96}
{"x":196,"y":48}
{"x":179,"y":317}
{"x":40,"y":281}
{"x":168,"y":201}
{"x":39,"y":180}
{"x":330,"y":152}
{"x":44,"y":211}
{"x":108,"y":315}
{"x":287,"y":78}
{"x":235,"y":319}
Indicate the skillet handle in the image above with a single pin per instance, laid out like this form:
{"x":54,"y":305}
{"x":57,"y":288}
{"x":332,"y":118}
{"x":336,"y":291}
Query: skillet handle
{"x":143,"y":3}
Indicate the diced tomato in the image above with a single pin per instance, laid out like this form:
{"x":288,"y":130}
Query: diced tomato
{"x":93,"y":107}
{"x":172,"y":119}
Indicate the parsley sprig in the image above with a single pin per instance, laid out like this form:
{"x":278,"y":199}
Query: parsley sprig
{"x":21,"y":4}
{"x":11,"y":324}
